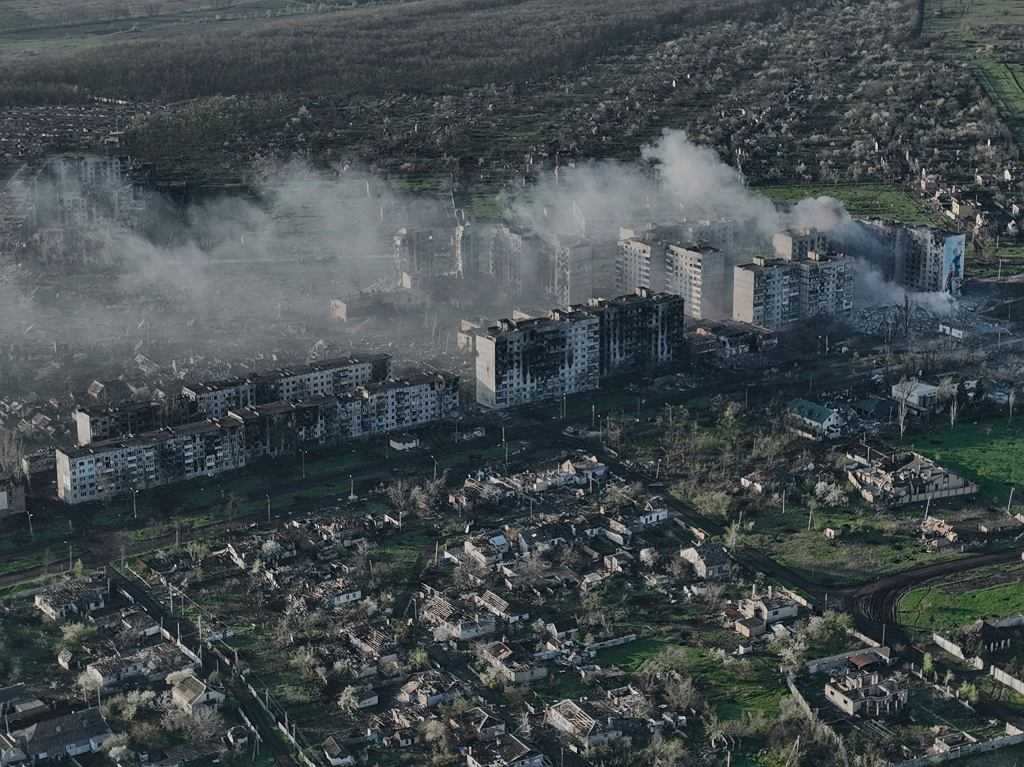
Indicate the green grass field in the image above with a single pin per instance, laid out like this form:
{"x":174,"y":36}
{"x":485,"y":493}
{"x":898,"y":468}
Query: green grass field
{"x":881,"y":200}
{"x":991,"y":453}
{"x":872,"y":544}
{"x":944,"y":17}
{"x":990,"y":592}
{"x":936,"y":608}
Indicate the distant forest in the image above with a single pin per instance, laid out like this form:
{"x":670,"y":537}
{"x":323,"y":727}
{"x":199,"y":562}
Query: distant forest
{"x":421,"y":46}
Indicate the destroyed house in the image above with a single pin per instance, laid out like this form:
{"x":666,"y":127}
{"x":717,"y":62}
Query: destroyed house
{"x":503,"y":751}
{"x":427,"y":689}
{"x":76,"y":598}
{"x":866,"y":694}
{"x":453,"y":621}
{"x":501,"y":608}
{"x":476,"y":724}
{"x":900,"y":477}
{"x":583,"y":725}
{"x":371,"y":642}
{"x":513,"y":663}
{"x":710,"y":561}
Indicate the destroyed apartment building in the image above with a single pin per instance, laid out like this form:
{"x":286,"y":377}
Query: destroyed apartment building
{"x":247,"y":433}
{"x":897,"y":477}
{"x":804,"y":278}
{"x":569,"y":351}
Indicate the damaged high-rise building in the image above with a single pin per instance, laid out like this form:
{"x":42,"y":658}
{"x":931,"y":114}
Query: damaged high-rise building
{"x":672,"y":259}
{"x":568,"y":351}
{"x":640,"y":330}
{"x":803,"y":279}
{"x":918,"y":258}
{"x":518,"y":362}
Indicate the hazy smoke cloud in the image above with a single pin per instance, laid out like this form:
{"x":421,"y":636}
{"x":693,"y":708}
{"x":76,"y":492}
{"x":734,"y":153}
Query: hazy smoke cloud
{"x":230,"y":267}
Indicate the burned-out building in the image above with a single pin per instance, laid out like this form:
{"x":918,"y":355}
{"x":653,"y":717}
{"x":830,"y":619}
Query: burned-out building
{"x":95,"y":424}
{"x":641,"y":330}
{"x":107,"y":469}
{"x":537,"y":359}
{"x":246,"y":434}
{"x":568,"y":351}
{"x":669,"y":259}
{"x":898,"y":477}
{"x":324,"y":378}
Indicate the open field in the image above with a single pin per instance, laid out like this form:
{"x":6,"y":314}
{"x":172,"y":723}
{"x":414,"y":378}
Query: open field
{"x":953,"y":18}
{"x":988,"y":266}
{"x":1004,"y":84}
{"x":971,"y":30}
{"x":872,"y":544}
{"x":988,"y":593}
{"x":890,"y":202}
{"x":992,"y":453}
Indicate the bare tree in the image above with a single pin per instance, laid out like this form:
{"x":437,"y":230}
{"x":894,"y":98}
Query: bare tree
{"x":954,"y":408}
{"x":399,"y":494}
{"x":903,"y":406}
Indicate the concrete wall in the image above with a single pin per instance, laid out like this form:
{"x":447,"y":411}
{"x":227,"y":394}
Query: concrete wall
{"x":818,"y":665}
{"x":1009,"y":680}
{"x":981,"y":747}
{"x":616,"y":642}
{"x":949,"y":646}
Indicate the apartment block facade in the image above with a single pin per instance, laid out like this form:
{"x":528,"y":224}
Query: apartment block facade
{"x":524,"y":361}
{"x":568,"y":351}
{"x":107,"y":469}
{"x":292,"y":384}
{"x":801,"y":281}
{"x":641,"y":330}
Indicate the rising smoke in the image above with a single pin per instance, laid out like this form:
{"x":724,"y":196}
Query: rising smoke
{"x":236,"y":263}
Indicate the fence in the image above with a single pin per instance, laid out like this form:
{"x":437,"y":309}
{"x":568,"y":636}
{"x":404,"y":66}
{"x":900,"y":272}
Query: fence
{"x":616,"y":642}
{"x":1009,"y":680}
{"x":959,"y":752}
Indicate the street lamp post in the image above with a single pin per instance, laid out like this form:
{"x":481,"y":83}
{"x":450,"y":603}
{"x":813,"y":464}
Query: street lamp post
{"x":302,"y":453}
{"x":135,"y":508}
{"x":31,"y":532}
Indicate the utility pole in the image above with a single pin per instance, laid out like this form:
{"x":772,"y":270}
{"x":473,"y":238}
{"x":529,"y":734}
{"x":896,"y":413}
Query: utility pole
{"x":268,"y":508}
{"x":302,"y":454}
{"x":70,"y":567}
{"x":135,"y":508}
{"x":31,"y":532}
